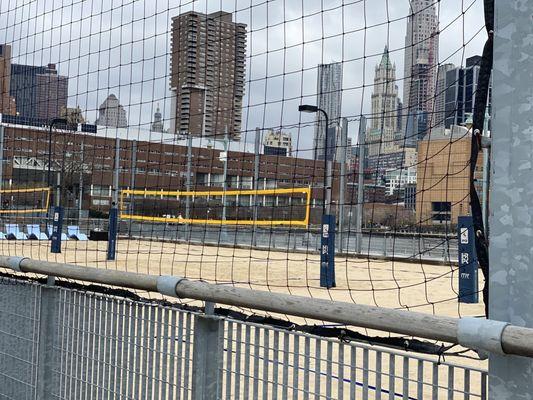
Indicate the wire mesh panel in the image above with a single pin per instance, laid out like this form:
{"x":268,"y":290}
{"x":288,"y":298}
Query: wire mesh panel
{"x":264,"y":362}
{"x":19,"y":332}
{"x":107,"y":346}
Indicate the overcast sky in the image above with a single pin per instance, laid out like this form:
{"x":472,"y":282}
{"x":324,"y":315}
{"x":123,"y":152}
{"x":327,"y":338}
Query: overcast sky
{"x":122,"y":47}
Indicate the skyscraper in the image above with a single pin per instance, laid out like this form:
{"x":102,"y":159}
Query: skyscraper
{"x":329,"y":91}
{"x":111,"y":113}
{"x":7,"y":103}
{"x":421,"y":55}
{"x":207,"y":74}
{"x":384,"y":119}
{"x":157,"y":124}
{"x":40,"y":92}
{"x":461,"y":87}
{"x":440,"y":95}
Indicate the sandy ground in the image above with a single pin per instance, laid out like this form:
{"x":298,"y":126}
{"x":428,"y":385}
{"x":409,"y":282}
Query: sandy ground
{"x":416,"y":286}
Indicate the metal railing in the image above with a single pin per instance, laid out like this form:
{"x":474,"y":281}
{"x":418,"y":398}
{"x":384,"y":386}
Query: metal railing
{"x":62,"y":343}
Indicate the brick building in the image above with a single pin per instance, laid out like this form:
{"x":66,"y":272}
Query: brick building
{"x":148,"y":160}
{"x":7,"y":103}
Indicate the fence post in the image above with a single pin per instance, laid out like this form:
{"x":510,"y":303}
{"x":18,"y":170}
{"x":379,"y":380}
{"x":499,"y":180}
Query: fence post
{"x":48,"y":321}
{"x":208,"y":355}
{"x":511,"y":268}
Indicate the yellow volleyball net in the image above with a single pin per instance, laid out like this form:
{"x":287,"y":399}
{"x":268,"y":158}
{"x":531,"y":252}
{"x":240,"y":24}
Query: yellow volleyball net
{"x":289,"y":207}
{"x":24,"y":200}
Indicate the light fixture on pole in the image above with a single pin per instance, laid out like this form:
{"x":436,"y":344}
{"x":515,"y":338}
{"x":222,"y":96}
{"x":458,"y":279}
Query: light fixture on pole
{"x":327,"y":236}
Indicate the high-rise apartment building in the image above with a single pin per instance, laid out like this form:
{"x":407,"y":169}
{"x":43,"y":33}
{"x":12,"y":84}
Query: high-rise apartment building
{"x":7,"y":103}
{"x":420,"y":60}
{"x":39,"y":92}
{"x":329,"y":92}
{"x":207,"y":72}
{"x":111,"y":113}
{"x":384,"y":118}
{"x":461,"y":87}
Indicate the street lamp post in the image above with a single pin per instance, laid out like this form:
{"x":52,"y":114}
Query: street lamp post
{"x":57,"y":221}
{"x":327,"y":237}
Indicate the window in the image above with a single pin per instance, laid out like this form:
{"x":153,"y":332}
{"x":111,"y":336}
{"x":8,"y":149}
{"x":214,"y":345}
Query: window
{"x":441,"y":211}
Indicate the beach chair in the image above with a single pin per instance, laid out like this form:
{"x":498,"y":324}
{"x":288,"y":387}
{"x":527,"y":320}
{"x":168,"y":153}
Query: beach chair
{"x":34,"y":232}
{"x":14,"y":233}
{"x":49,"y":231}
{"x":74,"y":233}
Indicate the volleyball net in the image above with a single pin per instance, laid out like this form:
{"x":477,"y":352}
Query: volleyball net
{"x":24,"y":201}
{"x":266,"y":207}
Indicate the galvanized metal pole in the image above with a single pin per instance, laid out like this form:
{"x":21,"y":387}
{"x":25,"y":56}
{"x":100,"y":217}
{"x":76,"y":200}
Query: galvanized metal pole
{"x":486,"y":175}
{"x":511,"y":261}
{"x":208,"y":355}
{"x":2,"y":161}
{"x":360,"y":187}
{"x":116,"y":171}
{"x":257,"y":146}
{"x":188,"y":178}
{"x":133,"y":172}
{"x":58,"y":190}
{"x":225,"y":176}
{"x":113,"y":212}
{"x":342,"y":180}
{"x":80,"y":200}
{"x":46,"y":360}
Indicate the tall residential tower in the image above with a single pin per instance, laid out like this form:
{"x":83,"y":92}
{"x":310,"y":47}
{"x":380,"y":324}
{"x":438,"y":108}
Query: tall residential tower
{"x":207,"y":71}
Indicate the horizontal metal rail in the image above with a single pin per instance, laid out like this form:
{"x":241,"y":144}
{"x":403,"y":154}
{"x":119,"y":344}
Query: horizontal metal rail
{"x":480,"y":334}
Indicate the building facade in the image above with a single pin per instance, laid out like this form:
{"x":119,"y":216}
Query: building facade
{"x":461,"y":87}
{"x":443,"y":176}
{"x":439,"y":119}
{"x":207,"y":72}
{"x":7,"y":103}
{"x":111,"y":113}
{"x":39,"y":91}
{"x":154,"y":161}
{"x":277,"y":143}
{"x":329,"y":99}
{"x":420,"y":60}
{"x":397,"y":179}
{"x":384,"y":121}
